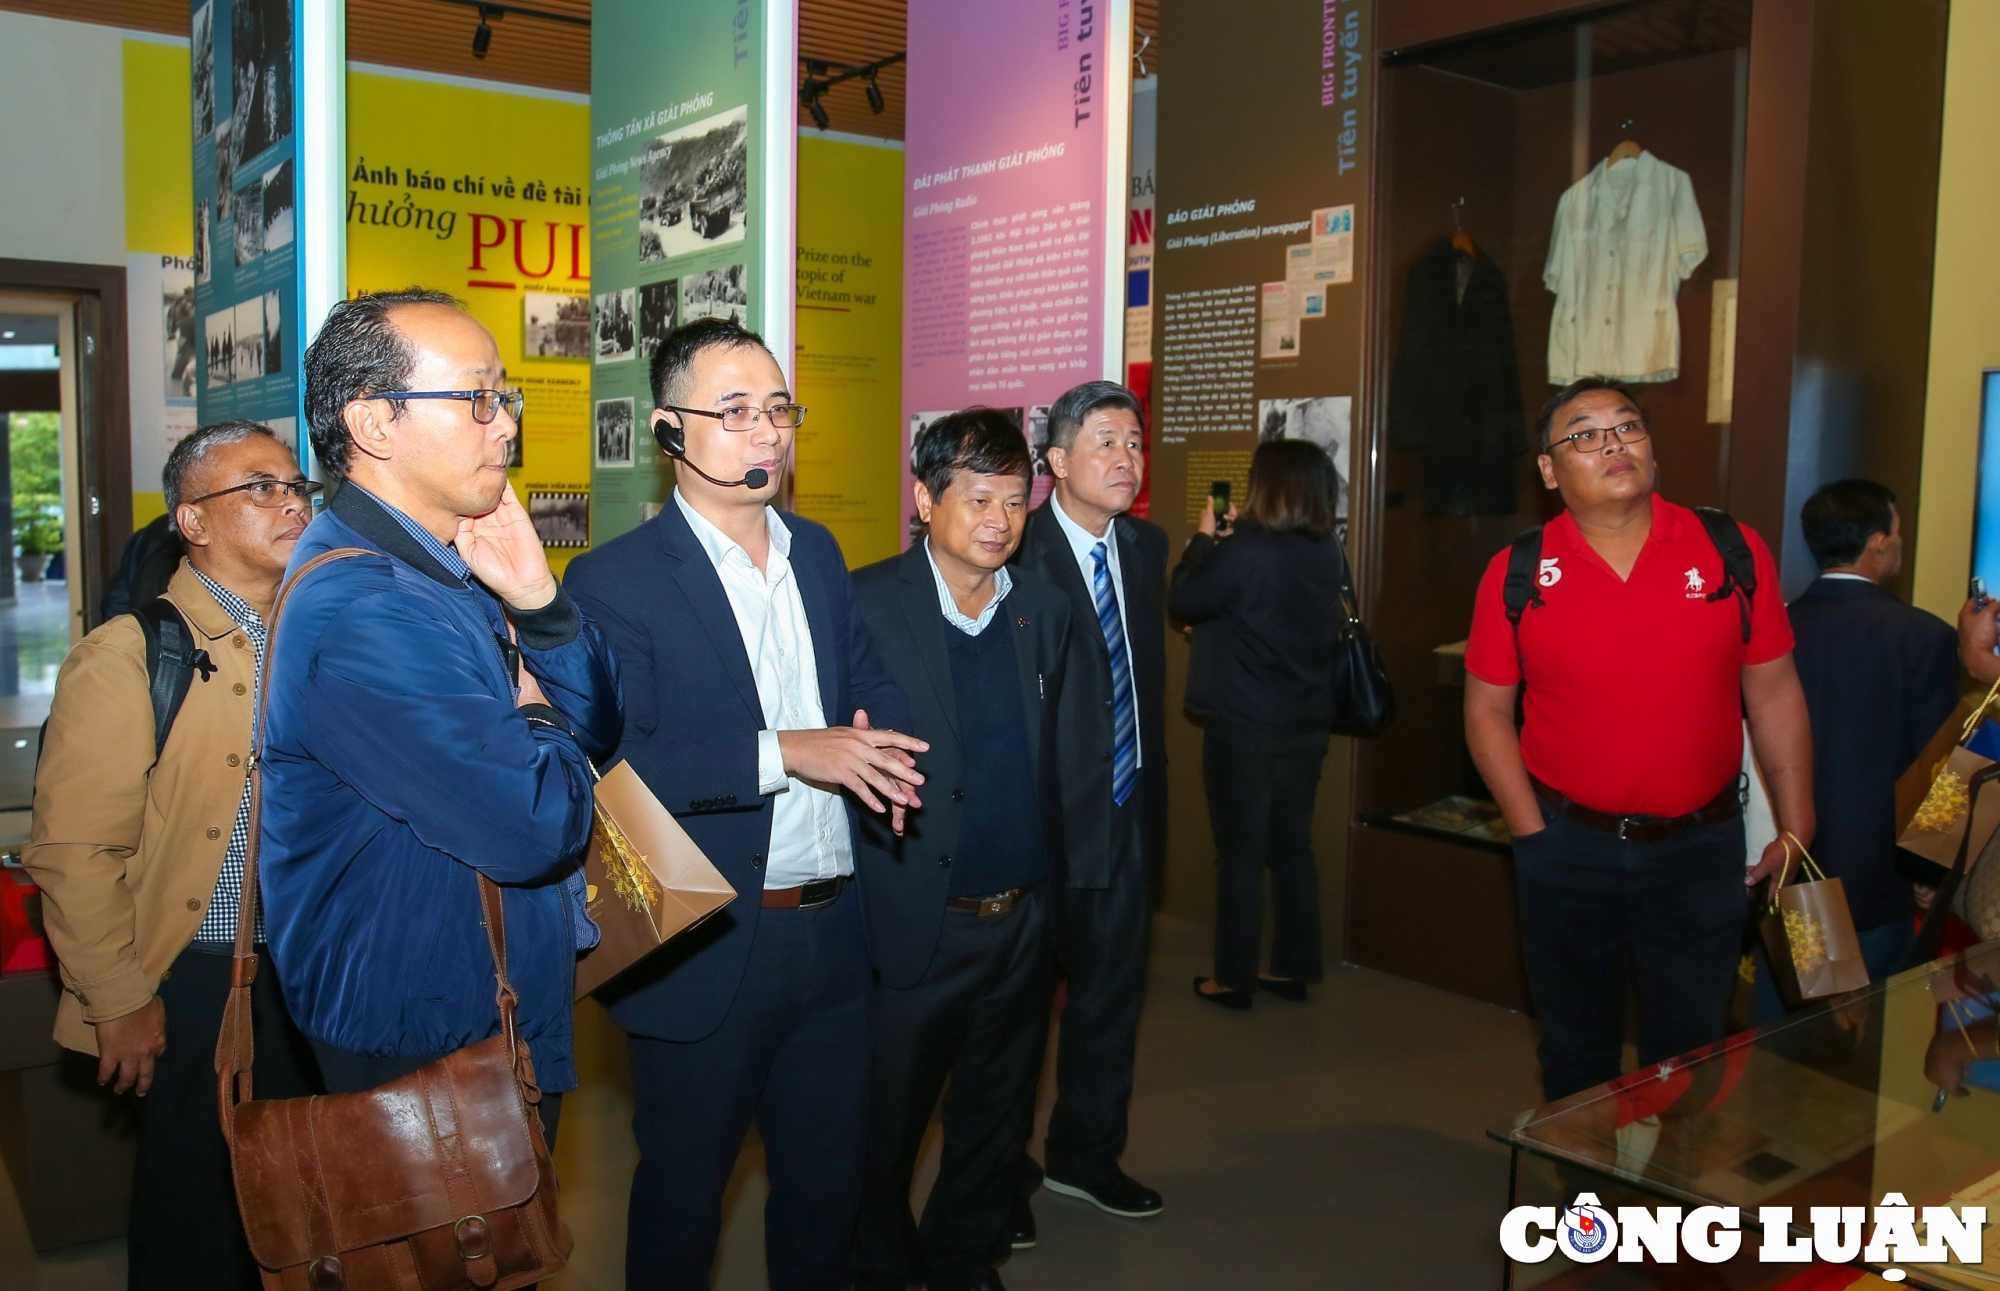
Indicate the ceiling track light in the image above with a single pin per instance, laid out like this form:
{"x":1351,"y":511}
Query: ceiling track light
{"x":823,"y":74}
{"x":482,"y":36}
{"x":874,"y":95}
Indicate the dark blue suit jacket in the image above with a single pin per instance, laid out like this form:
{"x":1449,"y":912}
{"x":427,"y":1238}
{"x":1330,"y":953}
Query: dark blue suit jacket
{"x":691,"y":721}
{"x":1880,"y":677}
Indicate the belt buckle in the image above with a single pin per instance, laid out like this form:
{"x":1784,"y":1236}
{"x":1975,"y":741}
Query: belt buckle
{"x":998,"y":905}
{"x":1624,"y":823}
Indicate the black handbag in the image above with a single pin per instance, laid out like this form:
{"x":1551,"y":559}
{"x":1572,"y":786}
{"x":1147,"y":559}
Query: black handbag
{"x":1364,"y":703}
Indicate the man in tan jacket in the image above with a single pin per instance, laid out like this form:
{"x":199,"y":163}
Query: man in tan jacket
{"x":139,"y":849}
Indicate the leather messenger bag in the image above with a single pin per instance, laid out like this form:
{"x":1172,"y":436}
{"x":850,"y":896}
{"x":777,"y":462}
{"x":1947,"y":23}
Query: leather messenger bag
{"x":438,"y":1180}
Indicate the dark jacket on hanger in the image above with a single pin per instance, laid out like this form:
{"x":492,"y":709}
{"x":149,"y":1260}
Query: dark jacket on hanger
{"x":1456,"y":389}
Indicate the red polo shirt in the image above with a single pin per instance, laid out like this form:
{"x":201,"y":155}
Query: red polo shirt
{"x":1633,"y":699}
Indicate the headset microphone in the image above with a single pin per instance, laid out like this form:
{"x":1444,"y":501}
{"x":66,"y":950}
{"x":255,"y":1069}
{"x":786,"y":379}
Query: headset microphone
{"x":673,"y":443}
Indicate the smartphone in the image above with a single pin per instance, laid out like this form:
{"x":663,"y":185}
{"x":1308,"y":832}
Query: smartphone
{"x":1978,"y":591}
{"x":1218,"y":497}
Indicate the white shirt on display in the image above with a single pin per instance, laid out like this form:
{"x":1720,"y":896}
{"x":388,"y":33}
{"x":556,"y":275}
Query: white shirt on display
{"x":1625,"y":237}
{"x":1082,"y":542}
{"x":809,"y":830}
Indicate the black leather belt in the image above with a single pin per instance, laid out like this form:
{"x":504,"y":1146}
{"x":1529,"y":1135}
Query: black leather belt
{"x":1726,"y":805}
{"x":806,"y":896}
{"x":994,"y":903}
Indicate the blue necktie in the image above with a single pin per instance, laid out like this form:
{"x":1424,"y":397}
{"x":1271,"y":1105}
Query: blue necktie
{"x":1125,"y":716}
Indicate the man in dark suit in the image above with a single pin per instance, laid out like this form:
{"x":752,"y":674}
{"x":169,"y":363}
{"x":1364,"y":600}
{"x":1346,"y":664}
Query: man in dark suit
{"x":1880,"y":677}
{"x":753,"y":698}
{"x":1114,"y":773}
{"x":957,"y":907}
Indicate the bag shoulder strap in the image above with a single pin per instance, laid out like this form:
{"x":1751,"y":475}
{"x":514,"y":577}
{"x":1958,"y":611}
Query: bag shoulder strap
{"x":172,"y":659}
{"x":1739,"y":566}
{"x":1520,"y":591}
{"x":235,"y":1050}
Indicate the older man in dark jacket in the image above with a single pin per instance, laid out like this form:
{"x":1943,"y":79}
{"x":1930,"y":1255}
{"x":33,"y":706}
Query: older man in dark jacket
{"x":411,"y":744}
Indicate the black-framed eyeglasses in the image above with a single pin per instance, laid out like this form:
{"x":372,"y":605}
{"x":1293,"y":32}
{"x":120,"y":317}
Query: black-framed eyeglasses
{"x":1596,"y":440}
{"x":486,"y":404}
{"x":743,"y":416}
{"x":268,"y":493}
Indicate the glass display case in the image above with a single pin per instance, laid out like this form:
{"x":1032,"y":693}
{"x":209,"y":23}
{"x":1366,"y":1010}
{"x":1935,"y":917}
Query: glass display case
{"x":1894,"y":1089}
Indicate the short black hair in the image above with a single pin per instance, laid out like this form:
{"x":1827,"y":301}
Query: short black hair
{"x":1570,"y":394}
{"x":1067,"y":413}
{"x":678,"y":348}
{"x":1841,"y":517}
{"x":358,"y":354}
{"x":984,"y":441}
{"x":194,"y":449}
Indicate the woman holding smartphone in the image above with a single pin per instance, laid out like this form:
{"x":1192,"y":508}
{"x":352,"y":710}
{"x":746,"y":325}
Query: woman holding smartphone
{"x":1263,"y":593}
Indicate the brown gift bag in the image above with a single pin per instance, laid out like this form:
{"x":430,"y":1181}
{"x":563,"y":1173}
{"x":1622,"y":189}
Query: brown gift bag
{"x":1810,"y":934}
{"x":647,"y":882}
{"x":1932,"y":797}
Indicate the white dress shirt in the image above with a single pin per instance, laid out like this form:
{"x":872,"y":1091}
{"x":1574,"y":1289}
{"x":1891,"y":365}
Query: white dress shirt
{"x":809,"y":831}
{"x":1003,"y":583}
{"x":1625,"y":236}
{"x":1082,"y":542}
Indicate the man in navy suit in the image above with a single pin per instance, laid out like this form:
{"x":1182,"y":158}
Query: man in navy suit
{"x":1880,"y":677}
{"x":958,"y":907}
{"x":754,"y":698}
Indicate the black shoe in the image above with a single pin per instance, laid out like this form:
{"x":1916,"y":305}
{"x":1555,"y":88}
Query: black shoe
{"x":1285,"y":988}
{"x":1238,"y":1000}
{"x":1020,"y":1225}
{"x":1119,"y":1195}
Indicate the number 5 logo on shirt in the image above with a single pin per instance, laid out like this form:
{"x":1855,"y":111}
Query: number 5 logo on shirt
{"x":1550,"y":575}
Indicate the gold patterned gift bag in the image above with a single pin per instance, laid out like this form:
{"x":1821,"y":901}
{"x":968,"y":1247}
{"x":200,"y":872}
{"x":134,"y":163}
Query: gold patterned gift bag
{"x":1810,"y":933}
{"x":1933,"y":802}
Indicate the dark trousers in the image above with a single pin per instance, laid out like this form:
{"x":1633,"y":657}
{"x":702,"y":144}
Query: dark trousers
{"x":978,"y":1018}
{"x":185,"y":1229}
{"x":1261,"y":786}
{"x":1594,"y":909}
{"x":353,"y":1073}
{"x":792,"y":1055}
{"x":1101,"y":936}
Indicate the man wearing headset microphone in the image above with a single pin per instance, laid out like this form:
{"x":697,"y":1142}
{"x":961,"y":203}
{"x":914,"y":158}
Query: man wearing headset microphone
{"x":759,"y":714}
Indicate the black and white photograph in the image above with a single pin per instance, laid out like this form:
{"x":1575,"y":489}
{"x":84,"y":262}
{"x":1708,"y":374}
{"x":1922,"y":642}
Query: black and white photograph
{"x":260,"y":74}
{"x":554,"y":326}
{"x":248,"y":204}
{"x":1325,"y":421}
{"x":204,"y":218}
{"x":177,"y":310}
{"x":225,"y":169}
{"x":1037,"y":431}
{"x":219,"y":333}
{"x":562,"y":519}
{"x":204,"y":69}
{"x":613,"y":327}
{"x":716,"y":293}
{"x":659,"y":313}
{"x":692,"y":184}
{"x":614,"y":432}
{"x":274,"y":334}
{"x":516,"y":454}
{"x":279,"y":212}
{"x":249,"y":330}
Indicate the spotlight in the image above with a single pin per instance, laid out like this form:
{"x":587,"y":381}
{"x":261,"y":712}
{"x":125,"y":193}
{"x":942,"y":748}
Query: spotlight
{"x":482,"y":37}
{"x":874,"y":95}
{"x":819,"y":116}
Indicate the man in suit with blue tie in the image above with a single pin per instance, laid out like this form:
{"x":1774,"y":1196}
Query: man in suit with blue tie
{"x":754,"y":698}
{"x":1113,"y":568}
{"x":958,"y":910}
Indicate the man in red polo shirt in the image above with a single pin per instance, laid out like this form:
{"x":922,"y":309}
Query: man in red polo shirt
{"x":1621,"y":784}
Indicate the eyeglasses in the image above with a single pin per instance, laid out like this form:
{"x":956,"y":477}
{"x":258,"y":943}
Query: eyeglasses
{"x":784,"y":416}
{"x":1596,"y":441}
{"x":268,"y":493}
{"x":486,"y":404}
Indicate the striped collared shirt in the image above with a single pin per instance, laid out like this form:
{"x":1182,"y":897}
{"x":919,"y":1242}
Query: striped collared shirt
{"x":218,"y":926}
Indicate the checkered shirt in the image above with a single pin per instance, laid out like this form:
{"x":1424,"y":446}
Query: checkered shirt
{"x":218,"y":927}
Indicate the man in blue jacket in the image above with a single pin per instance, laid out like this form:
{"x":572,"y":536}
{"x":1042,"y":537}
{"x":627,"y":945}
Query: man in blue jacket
{"x":411,"y":744}
{"x":755,"y":699}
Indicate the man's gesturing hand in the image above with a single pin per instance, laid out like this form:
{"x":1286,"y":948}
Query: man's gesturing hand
{"x":875,"y":765}
{"x":505,"y":553}
{"x":127,"y":1046}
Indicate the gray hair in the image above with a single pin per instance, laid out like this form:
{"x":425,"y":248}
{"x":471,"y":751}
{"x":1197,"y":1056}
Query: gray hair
{"x":190,"y":453}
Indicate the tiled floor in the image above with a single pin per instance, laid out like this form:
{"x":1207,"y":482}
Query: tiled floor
{"x":1333,"y":1144}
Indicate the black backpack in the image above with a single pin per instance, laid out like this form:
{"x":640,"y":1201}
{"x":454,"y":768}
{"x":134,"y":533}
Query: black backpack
{"x":1521,"y":591}
{"x":172,"y":659}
